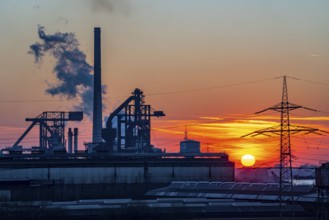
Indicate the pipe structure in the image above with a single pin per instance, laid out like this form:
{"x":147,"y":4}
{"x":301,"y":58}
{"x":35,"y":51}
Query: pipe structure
{"x":97,"y":103}
{"x":70,"y":141}
{"x":75,"y":140}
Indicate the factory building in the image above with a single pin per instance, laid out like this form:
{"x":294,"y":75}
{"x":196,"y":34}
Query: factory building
{"x":129,"y":175}
{"x":120,"y":156}
{"x":189,"y":146}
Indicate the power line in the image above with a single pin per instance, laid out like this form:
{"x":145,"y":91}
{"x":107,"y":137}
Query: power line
{"x":225,"y":86}
{"x":33,"y":100}
{"x":309,"y":81}
{"x":210,"y":88}
{"x":285,"y":130}
{"x":177,"y":91}
{"x":152,"y":94}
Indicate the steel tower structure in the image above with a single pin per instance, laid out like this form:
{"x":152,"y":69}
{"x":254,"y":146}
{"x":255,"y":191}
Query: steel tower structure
{"x":128,"y":128}
{"x":284,"y":130}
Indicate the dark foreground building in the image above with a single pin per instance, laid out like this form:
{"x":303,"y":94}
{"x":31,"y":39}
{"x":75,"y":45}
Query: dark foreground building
{"x":180,"y":208}
{"x":116,"y":176}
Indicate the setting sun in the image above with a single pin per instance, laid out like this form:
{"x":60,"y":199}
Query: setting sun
{"x":248,"y":160}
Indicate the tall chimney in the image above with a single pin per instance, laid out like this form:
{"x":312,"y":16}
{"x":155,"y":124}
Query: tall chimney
{"x":75,"y":140}
{"x":97,"y":105}
{"x":70,"y":134}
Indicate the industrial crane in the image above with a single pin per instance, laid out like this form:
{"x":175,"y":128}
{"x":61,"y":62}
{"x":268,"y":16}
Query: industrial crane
{"x":51,"y":129}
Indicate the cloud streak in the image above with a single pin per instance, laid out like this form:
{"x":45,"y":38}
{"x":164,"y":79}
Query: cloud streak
{"x":225,"y":136}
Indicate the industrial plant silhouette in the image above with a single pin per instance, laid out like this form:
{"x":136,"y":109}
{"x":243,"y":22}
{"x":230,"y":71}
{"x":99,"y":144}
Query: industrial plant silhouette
{"x":121,"y":174}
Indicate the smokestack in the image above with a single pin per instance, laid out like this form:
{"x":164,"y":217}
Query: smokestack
{"x":75,"y":140}
{"x":97,"y":105}
{"x":70,"y":134}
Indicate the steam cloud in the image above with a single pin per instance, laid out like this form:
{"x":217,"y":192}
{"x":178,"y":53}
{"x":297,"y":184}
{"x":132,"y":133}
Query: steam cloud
{"x":123,"y":6}
{"x":72,"y":71}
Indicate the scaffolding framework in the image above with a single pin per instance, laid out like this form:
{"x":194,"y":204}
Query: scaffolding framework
{"x":128,"y":128}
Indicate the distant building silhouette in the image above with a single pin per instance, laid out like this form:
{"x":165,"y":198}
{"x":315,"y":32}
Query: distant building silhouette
{"x":189,"y":146}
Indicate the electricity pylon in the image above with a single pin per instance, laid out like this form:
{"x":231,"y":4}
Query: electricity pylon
{"x":284,"y":130}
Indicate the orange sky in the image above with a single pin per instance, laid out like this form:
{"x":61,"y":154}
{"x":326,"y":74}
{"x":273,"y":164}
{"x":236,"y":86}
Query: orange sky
{"x":204,"y":48}
{"x":225,"y":135}
{"x":221,"y":134}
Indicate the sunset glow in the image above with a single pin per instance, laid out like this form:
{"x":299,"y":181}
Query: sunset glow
{"x":248,"y":160}
{"x":209,"y":65}
{"x":224,"y":135}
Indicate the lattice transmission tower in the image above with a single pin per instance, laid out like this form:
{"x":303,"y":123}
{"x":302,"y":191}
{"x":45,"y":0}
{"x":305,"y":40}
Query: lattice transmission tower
{"x":284,"y":130}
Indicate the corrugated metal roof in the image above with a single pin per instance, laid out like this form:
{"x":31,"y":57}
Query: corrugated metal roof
{"x":240,"y":191}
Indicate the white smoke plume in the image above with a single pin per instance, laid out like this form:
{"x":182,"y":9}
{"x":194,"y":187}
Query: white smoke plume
{"x":73,"y":73}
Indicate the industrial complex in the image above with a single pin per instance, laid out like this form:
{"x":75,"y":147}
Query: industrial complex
{"x":120,"y":173}
{"x":120,"y":153}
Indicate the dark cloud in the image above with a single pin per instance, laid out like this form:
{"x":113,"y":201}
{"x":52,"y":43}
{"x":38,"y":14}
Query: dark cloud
{"x":109,"y":6}
{"x":73,"y":73}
